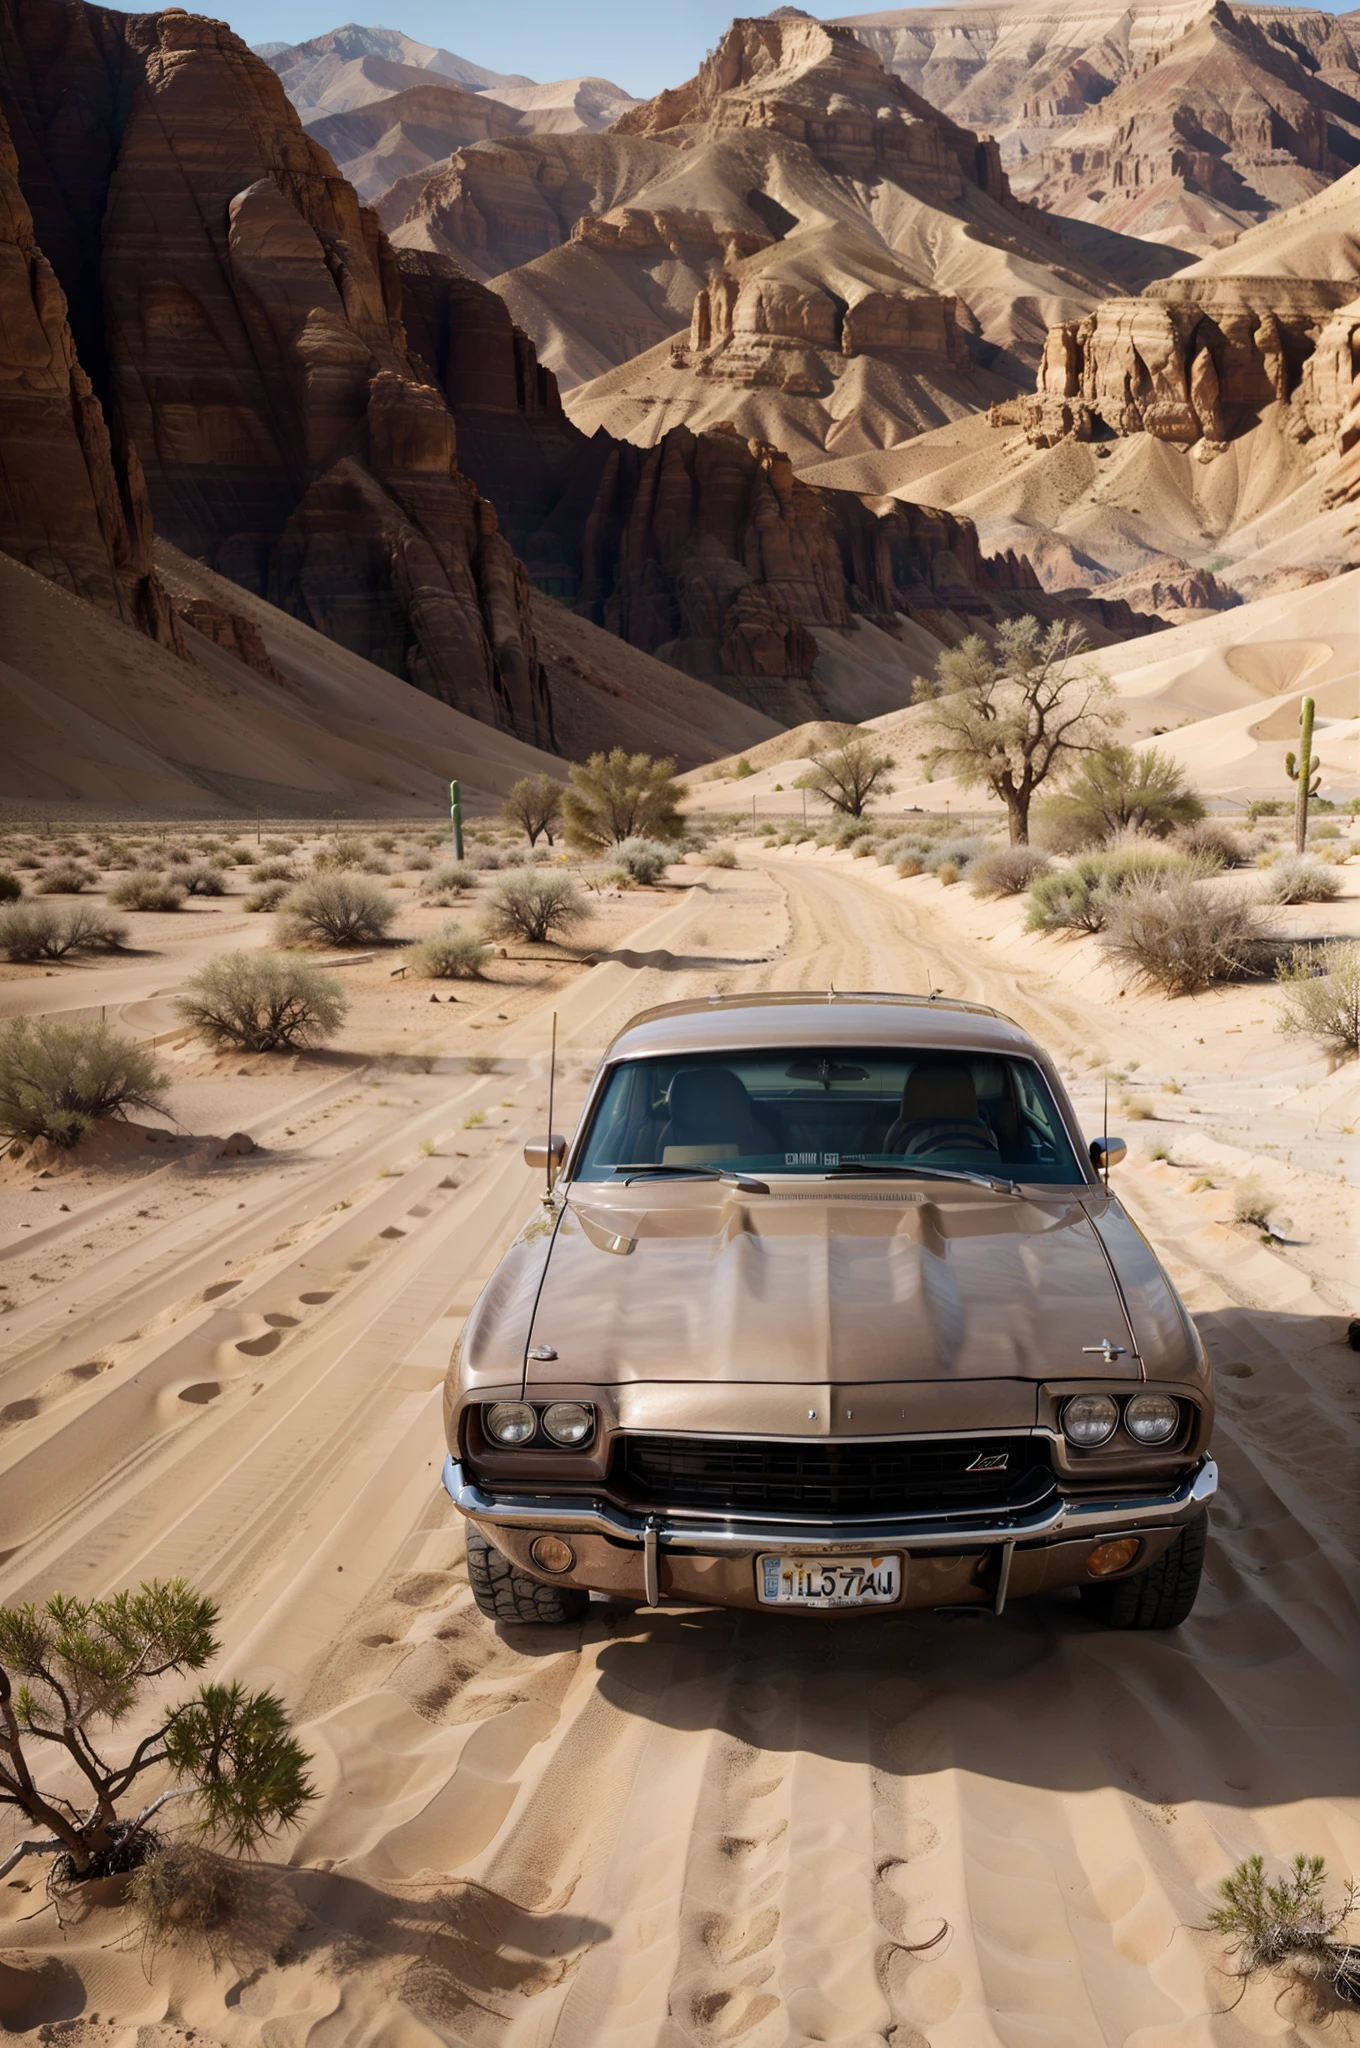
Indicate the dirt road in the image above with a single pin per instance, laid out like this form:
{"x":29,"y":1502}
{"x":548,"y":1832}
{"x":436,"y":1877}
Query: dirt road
{"x":688,"y":1827}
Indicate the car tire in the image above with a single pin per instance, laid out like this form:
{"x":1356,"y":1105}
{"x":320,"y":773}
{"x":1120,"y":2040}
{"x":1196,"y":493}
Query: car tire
{"x":504,"y":1592}
{"x":1161,"y":1596}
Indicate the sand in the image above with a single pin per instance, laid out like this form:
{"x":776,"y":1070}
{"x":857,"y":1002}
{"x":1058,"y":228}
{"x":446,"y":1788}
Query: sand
{"x":693,"y":1826}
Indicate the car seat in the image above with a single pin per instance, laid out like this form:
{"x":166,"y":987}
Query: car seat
{"x":711,"y":1117}
{"x":939,"y":1113}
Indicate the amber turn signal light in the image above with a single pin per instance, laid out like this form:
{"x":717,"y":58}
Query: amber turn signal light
{"x":1112,"y":1557}
{"x":552,"y":1554}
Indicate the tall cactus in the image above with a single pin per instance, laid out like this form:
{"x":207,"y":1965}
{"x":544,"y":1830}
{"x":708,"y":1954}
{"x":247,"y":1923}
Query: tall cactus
{"x":1304,"y":771}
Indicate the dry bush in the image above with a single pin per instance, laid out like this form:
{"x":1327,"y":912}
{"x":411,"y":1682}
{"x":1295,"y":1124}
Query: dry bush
{"x":1212,"y":844}
{"x":1080,"y":897}
{"x":385,"y":842}
{"x":336,"y":910}
{"x":201,"y":878}
{"x":36,"y":931}
{"x":268,"y":896}
{"x":1320,"y":987}
{"x":534,"y":906}
{"x":909,"y":864}
{"x":416,"y":860}
{"x":644,"y":860}
{"x":279,"y":848}
{"x":273,"y":871}
{"x":1179,"y":938}
{"x":1009,"y":871}
{"x":948,"y":873}
{"x":143,"y":890}
{"x":258,"y":1002}
{"x":481,"y":1063}
{"x":719,"y":857}
{"x":344,"y":850}
{"x":1301,"y":881}
{"x":56,"y":1080}
{"x":63,"y":878}
{"x":453,"y":877}
{"x":11,"y":888}
{"x":449,"y":954}
{"x":1251,"y":1203}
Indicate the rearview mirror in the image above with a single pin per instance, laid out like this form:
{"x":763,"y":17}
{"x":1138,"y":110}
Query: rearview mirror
{"x":1105,"y":1153}
{"x":546,"y":1156}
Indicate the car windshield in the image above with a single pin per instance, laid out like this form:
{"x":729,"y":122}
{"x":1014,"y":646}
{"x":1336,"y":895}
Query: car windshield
{"x":805,"y":1110}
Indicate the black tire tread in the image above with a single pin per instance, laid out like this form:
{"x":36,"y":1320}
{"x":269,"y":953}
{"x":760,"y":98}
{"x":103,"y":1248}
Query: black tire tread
{"x":505,"y":1592}
{"x":1160,"y":1597}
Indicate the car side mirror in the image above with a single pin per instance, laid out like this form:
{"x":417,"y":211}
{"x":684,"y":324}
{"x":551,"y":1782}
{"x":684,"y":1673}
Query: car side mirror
{"x":1107,"y":1152}
{"x":546,"y":1158}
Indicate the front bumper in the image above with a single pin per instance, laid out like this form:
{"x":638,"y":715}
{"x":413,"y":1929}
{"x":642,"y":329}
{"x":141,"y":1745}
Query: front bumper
{"x":1069,"y":1524}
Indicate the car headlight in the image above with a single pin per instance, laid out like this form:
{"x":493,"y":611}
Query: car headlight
{"x":568,"y":1422}
{"x":1152,"y":1418}
{"x":510,"y":1422}
{"x":1090,"y":1419}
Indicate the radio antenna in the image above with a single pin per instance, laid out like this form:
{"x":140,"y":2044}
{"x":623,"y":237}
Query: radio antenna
{"x":552,"y":1078}
{"x":1104,"y":1126}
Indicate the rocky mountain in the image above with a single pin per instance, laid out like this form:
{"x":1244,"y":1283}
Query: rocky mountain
{"x":401,"y":133}
{"x":791,"y":180}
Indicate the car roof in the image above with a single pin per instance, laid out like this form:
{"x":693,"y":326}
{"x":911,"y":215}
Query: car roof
{"x":835,"y":1018}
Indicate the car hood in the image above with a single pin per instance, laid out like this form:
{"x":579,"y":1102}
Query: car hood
{"x":698,"y":1282}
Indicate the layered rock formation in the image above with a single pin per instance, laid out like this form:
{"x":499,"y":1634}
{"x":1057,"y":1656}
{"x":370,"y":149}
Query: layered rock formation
{"x":405,"y":131}
{"x":791,"y":175}
{"x":243,"y":312}
{"x":71,"y":506}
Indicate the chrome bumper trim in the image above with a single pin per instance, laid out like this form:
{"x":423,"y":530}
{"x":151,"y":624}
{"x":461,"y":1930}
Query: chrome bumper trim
{"x":1059,"y":1518}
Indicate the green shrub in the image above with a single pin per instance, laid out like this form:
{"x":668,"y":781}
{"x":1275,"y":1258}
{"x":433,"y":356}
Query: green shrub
{"x":643,"y":860}
{"x":278,"y":848}
{"x":742,"y":770}
{"x":259,"y":1002}
{"x":342,"y":850}
{"x":1320,"y":991}
{"x":1289,"y":1926}
{"x":1117,"y":789}
{"x":618,"y":796}
{"x":449,"y":954}
{"x":1179,"y":938}
{"x":1078,"y":898}
{"x":1301,"y":881}
{"x":1009,"y":871}
{"x":56,"y":1080}
{"x":336,"y":910}
{"x":529,"y":904}
{"x":37,"y":931}
{"x":1211,"y":844}
{"x":63,"y":878}
{"x":142,"y":890}
{"x":958,"y":854}
{"x":909,"y":864}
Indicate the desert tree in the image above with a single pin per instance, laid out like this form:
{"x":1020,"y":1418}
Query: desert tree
{"x":1009,"y":717}
{"x":58,"y":1080}
{"x":1119,"y":789}
{"x":70,"y":1665}
{"x":617,"y":796}
{"x":849,"y":775}
{"x":534,"y":803}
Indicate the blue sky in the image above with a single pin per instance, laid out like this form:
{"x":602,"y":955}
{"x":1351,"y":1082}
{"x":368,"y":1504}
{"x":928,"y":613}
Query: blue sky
{"x":641,"y":47}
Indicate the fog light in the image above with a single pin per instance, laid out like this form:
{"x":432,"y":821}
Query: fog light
{"x":1112,"y":1557}
{"x":552,"y":1554}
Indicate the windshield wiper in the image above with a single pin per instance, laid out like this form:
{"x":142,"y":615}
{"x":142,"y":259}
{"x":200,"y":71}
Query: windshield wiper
{"x":981,"y":1180}
{"x":743,"y":1181}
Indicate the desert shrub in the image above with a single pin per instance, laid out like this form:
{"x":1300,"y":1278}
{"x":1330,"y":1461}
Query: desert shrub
{"x":28,"y":859}
{"x":449,"y":954}
{"x":240,"y":856}
{"x":719,"y":857}
{"x":278,"y":848}
{"x":643,"y":860}
{"x":343,"y":850}
{"x":1079,"y":897}
{"x":1320,"y":991}
{"x":1112,"y":790}
{"x":484,"y":858}
{"x":617,"y":796}
{"x":1179,"y":938}
{"x":258,"y":1002}
{"x":201,"y":878}
{"x":11,"y":888}
{"x":948,"y":872}
{"x":417,"y":860}
{"x":534,"y":906}
{"x":63,"y":878}
{"x":56,"y":1079}
{"x":1009,"y":871}
{"x":453,"y":876}
{"x":374,"y":864}
{"x":956,"y":853}
{"x":268,"y":896}
{"x":385,"y":842}
{"x":36,"y":931}
{"x":142,"y":890}
{"x":1324,"y":830}
{"x":273,"y":871}
{"x":1301,"y":881}
{"x":1289,"y":1926}
{"x":909,"y":864}
{"x":336,"y":910}
{"x":1212,"y":844}
{"x":192,"y":1898}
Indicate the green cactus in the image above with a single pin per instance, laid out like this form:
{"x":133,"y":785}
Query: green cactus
{"x":1303,"y":769}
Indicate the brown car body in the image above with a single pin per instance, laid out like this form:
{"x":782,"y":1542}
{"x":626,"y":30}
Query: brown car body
{"x":714,"y":1326}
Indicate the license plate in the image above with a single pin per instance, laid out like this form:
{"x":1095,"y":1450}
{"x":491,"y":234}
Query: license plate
{"x":829,"y":1581}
